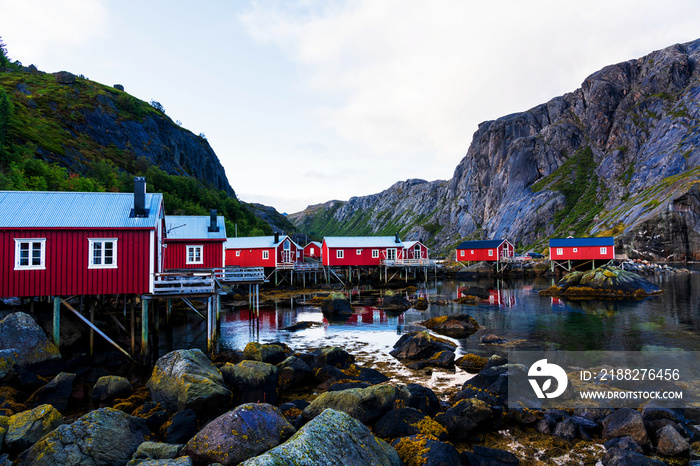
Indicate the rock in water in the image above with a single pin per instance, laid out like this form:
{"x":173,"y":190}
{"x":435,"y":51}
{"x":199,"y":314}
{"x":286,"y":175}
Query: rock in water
{"x":459,"y":326}
{"x":247,"y":431}
{"x":332,"y":438}
{"x":103,"y":437}
{"x":186,"y":379}
{"x":23,"y":336}
{"x":606,"y":282}
{"x":420,"y":349}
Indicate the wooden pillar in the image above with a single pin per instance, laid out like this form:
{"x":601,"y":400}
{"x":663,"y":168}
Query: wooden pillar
{"x":169,"y":310}
{"x":156,"y":316}
{"x":57,"y":321}
{"x":92,"y":320}
{"x":133,"y":326}
{"x":210,"y":325}
{"x":144,"y":329}
{"x":594,"y":263}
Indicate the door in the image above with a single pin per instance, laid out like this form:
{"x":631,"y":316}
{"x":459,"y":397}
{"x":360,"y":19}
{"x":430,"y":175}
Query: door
{"x":286,"y":252}
{"x":391,"y":254}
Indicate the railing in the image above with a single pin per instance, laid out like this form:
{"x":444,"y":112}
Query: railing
{"x":183,"y":283}
{"x":240,"y":274}
{"x":408,"y":262}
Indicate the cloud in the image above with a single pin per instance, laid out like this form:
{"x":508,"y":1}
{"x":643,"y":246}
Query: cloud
{"x":32,"y":28}
{"x":413,"y":79}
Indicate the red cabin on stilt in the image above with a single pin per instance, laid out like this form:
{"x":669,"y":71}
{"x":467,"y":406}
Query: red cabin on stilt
{"x":494,"y":250}
{"x":313,"y":250}
{"x":195,"y":242}
{"x":356,"y":251}
{"x":263,"y":251}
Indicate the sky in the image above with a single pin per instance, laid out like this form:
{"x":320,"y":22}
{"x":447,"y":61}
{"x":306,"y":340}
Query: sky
{"x":307,"y":101}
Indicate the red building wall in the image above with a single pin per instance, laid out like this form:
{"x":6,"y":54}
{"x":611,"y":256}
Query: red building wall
{"x":410,"y":252}
{"x":482,"y":254}
{"x":67,"y":271}
{"x":316,"y":251}
{"x":582,"y":253}
{"x":250,"y":257}
{"x":176,"y":254}
{"x":352,"y":259}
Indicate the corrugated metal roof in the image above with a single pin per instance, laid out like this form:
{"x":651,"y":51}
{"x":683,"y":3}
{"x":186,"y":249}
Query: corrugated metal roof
{"x":489,"y":243}
{"x":362,"y":242}
{"x":58,"y":209}
{"x":253,"y":242}
{"x":193,"y":227}
{"x":575,"y":242}
{"x":315,"y":243}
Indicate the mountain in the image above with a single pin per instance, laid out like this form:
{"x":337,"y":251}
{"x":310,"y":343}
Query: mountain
{"x":64,"y":132}
{"x":618,"y":156}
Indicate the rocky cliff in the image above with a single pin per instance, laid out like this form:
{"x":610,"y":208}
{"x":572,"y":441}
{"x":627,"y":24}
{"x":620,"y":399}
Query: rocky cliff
{"x":619,"y":156}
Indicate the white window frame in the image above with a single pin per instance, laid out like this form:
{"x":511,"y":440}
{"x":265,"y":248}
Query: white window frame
{"x":575,"y":249}
{"x":375,"y":253}
{"x":311,"y":251}
{"x":91,"y":253}
{"x":339,"y":254}
{"x":560,"y":251}
{"x":42,"y":257}
{"x":603,"y":250}
{"x":472,"y":251}
{"x":358,"y":252}
{"x":194,"y":247}
{"x":265,"y":254}
{"x":238,"y":253}
{"x":490,"y":252}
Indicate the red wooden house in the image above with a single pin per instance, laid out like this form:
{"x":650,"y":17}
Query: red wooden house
{"x":415,"y":250}
{"x":356,"y":251}
{"x":263,"y":251}
{"x":493,"y":250}
{"x":71,"y":243}
{"x":313,"y":250}
{"x":565,"y":249}
{"x":194,"y":242}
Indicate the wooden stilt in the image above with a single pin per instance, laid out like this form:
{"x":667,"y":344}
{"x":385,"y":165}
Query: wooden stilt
{"x":169,"y":310}
{"x":156,"y":316}
{"x":133,"y":326}
{"x":92,"y":321}
{"x":144,"y":330}
{"x":57,"y":321}
{"x":210,"y":325}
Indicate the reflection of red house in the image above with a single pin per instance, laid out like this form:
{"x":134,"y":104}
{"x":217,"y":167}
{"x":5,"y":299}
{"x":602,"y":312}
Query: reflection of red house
{"x":361,"y":250}
{"x":313,"y":250}
{"x":493,"y":250}
{"x":263,"y":251}
{"x":602,"y":248}
{"x":194,"y":242}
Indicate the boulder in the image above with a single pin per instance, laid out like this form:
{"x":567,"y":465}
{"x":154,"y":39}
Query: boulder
{"x":566,"y":429}
{"x":149,"y":451}
{"x":293,"y":373}
{"x":64,"y":77}
{"x":471,"y":362}
{"x":606,"y":282}
{"x":423,"y":399}
{"x":395,"y":303}
{"x":334,"y":309}
{"x":364,"y":404}
{"x":102,"y":437}
{"x":271,"y":353}
{"x":483,"y":456}
{"x":464,"y":418}
{"x":623,"y":443}
{"x":247,"y":431}
{"x":302,"y":326}
{"x":479,"y":292}
{"x":181,"y":461}
{"x":252,"y":381}
{"x":425,"y":450}
{"x":670,"y":443}
{"x":180,"y":428}
{"x":425,"y":348}
{"x":110,"y":387}
{"x":27,"y":341}
{"x":420,"y":304}
{"x":186,"y":379}
{"x":331,"y":356}
{"x":57,"y":392}
{"x":26,"y":428}
{"x":330,"y":439}
{"x":153,"y":413}
{"x":625,"y":422}
{"x":119,"y":87}
{"x":491,"y":339}
{"x":403,"y":422}
{"x":459,"y":326}
{"x":618,"y":457}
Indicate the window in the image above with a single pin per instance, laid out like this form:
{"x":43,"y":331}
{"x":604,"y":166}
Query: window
{"x":575,"y":249}
{"x":358,"y":252}
{"x":30,"y":254}
{"x":194,"y":255}
{"x":103,"y":253}
{"x":266,"y":255}
{"x":490,"y":252}
{"x":375,"y":253}
{"x":417,"y":252}
{"x":311,"y":251}
{"x":339,"y":254}
{"x":603,"y":250}
{"x":560,"y":251}
{"x":472,"y":251}
{"x":461,"y":253}
{"x":238,"y":253}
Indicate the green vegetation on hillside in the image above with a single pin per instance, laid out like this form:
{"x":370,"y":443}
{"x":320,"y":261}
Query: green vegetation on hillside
{"x":33,"y":141}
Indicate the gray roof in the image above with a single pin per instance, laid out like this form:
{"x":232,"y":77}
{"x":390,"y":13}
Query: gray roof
{"x":314,"y":243}
{"x":59,"y":209}
{"x":362,"y":242}
{"x":193,"y":227}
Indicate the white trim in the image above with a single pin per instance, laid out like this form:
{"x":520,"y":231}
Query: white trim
{"x":91,"y":253}
{"x":42,"y":253}
{"x":388,"y":255}
{"x":575,"y":249}
{"x":490,"y":252}
{"x":194,"y":248}
{"x":151,"y":260}
{"x":238,"y":253}
{"x":358,"y":252}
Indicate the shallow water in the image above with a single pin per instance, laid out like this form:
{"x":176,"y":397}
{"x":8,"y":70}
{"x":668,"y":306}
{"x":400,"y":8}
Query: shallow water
{"x":514,"y":311}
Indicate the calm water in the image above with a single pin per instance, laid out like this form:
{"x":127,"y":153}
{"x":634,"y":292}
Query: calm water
{"x":514,"y":310}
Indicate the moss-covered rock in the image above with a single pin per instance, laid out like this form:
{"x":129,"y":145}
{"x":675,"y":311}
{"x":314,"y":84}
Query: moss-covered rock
{"x":271,"y":353}
{"x":458,"y":326}
{"x":465,"y":417}
{"x":57,"y":392}
{"x":27,"y":341}
{"x":421,"y":349}
{"x":186,"y":379}
{"x":606,"y":282}
{"x":330,"y":439}
{"x":26,"y":428}
{"x":403,"y":422}
{"x":471,"y":362}
{"x":109,"y":387}
{"x":240,"y":434}
{"x":364,"y":404}
{"x":425,"y":450}
{"x":252,"y":381}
